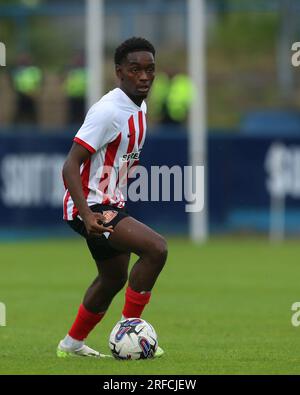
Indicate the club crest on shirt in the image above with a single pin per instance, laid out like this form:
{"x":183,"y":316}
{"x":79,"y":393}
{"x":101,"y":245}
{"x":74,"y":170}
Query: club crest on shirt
{"x":109,"y":215}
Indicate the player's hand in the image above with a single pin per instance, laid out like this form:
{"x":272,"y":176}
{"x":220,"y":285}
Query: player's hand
{"x":94,"y":224}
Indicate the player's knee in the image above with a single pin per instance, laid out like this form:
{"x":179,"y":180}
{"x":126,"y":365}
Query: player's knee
{"x":160,"y":250}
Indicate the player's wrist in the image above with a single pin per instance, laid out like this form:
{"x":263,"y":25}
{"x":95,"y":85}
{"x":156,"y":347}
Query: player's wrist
{"x":86,"y":214}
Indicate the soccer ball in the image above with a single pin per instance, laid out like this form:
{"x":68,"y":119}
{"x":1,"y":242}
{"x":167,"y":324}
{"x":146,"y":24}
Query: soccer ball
{"x":133,"y":338}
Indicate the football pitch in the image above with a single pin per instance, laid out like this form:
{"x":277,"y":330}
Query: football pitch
{"x":221,"y":308}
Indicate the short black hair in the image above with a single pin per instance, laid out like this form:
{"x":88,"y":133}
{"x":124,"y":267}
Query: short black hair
{"x":133,"y":44}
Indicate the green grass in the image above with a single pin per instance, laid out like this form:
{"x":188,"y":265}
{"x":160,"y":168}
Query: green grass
{"x":223,"y":308}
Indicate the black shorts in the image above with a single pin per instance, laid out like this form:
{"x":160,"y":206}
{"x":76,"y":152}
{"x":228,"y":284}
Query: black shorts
{"x":99,"y":246}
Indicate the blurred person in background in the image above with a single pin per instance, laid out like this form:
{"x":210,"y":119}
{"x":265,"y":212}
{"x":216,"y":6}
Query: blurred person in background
{"x":27,"y":81}
{"x":171,"y":97}
{"x":179,"y":98}
{"x":158,"y":97}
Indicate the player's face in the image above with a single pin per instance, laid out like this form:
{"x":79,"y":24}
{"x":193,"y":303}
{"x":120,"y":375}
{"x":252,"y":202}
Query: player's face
{"x":136,"y":74}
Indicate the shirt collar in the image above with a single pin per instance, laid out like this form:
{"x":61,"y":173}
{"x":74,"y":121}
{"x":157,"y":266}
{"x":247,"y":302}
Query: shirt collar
{"x":127,"y":99}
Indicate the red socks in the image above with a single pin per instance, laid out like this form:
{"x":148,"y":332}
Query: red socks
{"x":135,"y":303}
{"x":84,"y":323}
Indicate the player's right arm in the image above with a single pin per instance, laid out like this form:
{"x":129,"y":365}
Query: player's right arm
{"x":71,"y":174}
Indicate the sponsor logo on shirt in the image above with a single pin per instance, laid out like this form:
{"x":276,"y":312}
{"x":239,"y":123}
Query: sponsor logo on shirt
{"x":131,"y":156}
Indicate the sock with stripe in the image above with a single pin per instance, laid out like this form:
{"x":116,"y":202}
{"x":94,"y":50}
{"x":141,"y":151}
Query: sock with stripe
{"x":135,"y":303}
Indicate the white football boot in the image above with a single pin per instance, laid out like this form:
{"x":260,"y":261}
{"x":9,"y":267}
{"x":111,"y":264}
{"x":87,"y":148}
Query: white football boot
{"x":83,"y":351}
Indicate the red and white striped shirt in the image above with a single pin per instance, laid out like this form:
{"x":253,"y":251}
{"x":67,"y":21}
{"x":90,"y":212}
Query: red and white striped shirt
{"x":114,"y":132}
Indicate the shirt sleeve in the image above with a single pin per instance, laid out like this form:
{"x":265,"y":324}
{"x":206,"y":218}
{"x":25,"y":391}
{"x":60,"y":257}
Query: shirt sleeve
{"x":99,"y":127}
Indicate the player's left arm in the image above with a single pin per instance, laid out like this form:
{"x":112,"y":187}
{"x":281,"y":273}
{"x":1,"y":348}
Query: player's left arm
{"x":71,"y":174}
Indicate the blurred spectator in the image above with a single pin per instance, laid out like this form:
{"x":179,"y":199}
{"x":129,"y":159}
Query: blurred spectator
{"x":159,"y":95}
{"x":27,"y":80}
{"x":75,"y":87}
{"x":171,"y":97}
{"x":180,"y":98}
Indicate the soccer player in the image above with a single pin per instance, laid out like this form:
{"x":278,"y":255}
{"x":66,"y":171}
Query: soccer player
{"x":94,"y":206}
